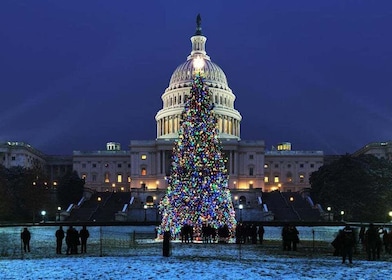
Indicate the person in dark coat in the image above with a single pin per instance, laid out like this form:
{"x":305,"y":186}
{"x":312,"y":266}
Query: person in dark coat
{"x":84,"y":235}
{"x":166,"y":250}
{"x":348,"y":243}
{"x":261,"y":234}
{"x":59,"y":239}
{"x":26,"y":236}
{"x":293,"y":237}
{"x":372,"y":240}
{"x":286,"y":238}
{"x":72,"y":240}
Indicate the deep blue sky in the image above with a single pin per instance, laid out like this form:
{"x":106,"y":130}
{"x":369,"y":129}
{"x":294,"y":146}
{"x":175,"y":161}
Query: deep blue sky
{"x":77,"y":74}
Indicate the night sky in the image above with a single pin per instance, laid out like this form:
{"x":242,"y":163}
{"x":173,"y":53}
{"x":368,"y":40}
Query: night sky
{"x":77,"y":74}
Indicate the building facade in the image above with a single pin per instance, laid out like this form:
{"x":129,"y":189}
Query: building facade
{"x":145,"y":165}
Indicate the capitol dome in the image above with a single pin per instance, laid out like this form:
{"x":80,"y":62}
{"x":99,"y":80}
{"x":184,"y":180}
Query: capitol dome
{"x":174,"y":97}
{"x":212,"y":73}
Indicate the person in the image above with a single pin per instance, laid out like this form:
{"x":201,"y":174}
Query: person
{"x":261,"y":234}
{"x":348,"y":242}
{"x":166,"y":244}
{"x":293,"y":237}
{"x":59,"y":239}
{"x":26,"y":236}
{"x":362,"y":237}
{"x":285,"y":238}
{"x":84,"y":235}
{"x":371,"y":238}
{"x":72,"y":240}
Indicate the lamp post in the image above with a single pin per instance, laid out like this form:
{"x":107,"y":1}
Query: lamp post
{"x":43,"y":213}
{"x":241,"y":207}
{"x":145,"y":212}
{"x":342,"y":214}
{"x":329,"y":212}
{"x":58,"y":213}
{"x":390,"y":216}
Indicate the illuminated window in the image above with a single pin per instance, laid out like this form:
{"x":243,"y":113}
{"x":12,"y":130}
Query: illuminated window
{"x":276,"y":179}
{"x":129,"y":179}
{"x":107,"y":177}
{"x":266,"y":179}
{"x":119,"y":178}
{"x":144,"y":157}
{"x":301,"y":178}
{"x":289,"y":177}
{"x":144,"y":171}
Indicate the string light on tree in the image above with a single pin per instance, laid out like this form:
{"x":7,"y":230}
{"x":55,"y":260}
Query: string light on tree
{"x":198,"y":191}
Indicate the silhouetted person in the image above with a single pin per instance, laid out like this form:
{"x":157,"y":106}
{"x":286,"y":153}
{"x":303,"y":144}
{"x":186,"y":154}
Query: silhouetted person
{"x":293,"y":237}
{"x":26,"y":236}
{"x":59,"y":239}
{"x":166,"y":244}
{"x":372,"y":240}
{"x":72,"y":240}
{"x":261,"y":234}
{"x":286,"y":238}
{"x":84,"y":235}
{"x":348,"y":243}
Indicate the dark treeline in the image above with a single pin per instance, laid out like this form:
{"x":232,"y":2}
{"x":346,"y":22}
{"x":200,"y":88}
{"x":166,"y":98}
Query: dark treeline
{"x":25,"y":192}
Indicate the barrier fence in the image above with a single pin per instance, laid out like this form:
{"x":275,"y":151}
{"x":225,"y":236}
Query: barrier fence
{"x":140,"y":240}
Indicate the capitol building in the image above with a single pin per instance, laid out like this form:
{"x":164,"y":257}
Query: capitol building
{"x":143,"y":166}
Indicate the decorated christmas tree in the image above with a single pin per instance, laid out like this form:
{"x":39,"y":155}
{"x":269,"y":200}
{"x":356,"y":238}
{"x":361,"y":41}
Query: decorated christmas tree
{"x":198,"y":192}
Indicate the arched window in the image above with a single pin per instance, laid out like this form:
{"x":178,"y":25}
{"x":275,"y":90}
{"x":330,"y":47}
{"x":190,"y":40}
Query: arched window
{"x":149,"y":201}
{"x":143,"y":171}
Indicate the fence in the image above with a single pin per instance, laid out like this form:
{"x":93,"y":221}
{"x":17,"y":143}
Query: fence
{"x":136,"y":240}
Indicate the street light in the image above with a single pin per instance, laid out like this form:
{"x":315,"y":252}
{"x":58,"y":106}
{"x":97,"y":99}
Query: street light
{"x":43,"y":213}
{"x":390,"y":215}
{"x":58,"y":213}
{"x":240,"y":207}
{"x":329,"y":212}
{"x":145,"y":212}
{"x":342,"y":214}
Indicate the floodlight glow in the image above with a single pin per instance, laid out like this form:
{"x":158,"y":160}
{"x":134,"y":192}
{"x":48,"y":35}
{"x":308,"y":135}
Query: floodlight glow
{"x":198,"y":63}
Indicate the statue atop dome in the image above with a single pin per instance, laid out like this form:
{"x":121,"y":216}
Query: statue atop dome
{"x":198,"y":25}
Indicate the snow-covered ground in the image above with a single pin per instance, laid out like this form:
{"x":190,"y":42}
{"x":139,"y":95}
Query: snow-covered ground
{"x":196,"y":261}
{"x":189,"y":261}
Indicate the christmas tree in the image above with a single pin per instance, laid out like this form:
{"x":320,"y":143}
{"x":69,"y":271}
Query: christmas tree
{"x":198,"y":190}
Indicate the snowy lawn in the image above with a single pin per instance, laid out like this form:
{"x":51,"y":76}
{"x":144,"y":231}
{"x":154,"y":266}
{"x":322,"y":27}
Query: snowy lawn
{"x":142,"y":259}
{"x":198,"y":261}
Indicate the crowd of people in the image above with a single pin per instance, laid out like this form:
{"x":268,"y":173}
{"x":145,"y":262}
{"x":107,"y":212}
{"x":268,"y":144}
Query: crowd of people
{"x":73,"y":239}
{"x":373,"y":241}
{"x":290,"y":237}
